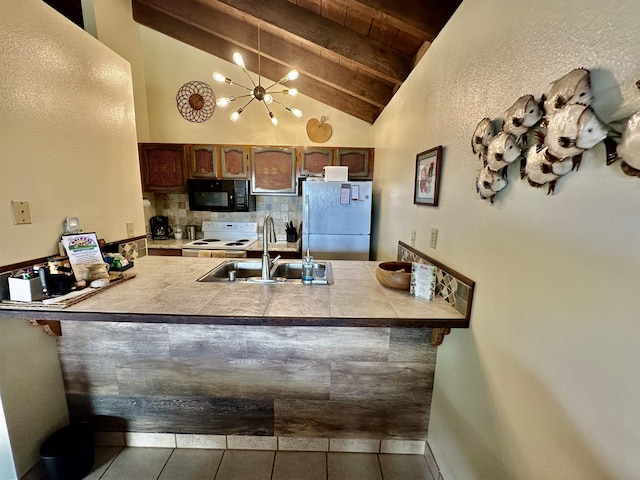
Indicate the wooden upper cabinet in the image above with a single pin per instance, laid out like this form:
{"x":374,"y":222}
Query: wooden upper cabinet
{"x":234,"y":161}
{"x":273,"y":171}
{"x":359,"y":161}
{"x":313,"y":160}
{"x":162,"y":167}
{"x":203,"y":161}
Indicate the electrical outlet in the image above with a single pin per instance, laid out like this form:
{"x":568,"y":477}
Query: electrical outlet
{"x":285,"y":217}
{"x":21,"y":212}
{"x":413,"y":238}
{"x":434,"y":238}
{"x":130,"y":229}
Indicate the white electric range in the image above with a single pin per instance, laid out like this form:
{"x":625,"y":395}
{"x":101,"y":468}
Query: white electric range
{"x":232,"y":237}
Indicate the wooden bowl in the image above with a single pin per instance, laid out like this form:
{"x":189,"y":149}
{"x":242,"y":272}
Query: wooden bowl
{"x":394,"y":274}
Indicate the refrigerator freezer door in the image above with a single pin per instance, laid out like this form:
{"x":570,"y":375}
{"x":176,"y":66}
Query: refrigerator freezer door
{"x":325,"y":214}
{"x":337,"y":247}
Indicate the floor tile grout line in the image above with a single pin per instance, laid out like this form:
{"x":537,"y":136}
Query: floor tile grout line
{"x":220,"y":464}
{"x":379,"y":466}
{"x":165,"y":463}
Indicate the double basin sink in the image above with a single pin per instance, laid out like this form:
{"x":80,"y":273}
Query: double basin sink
{"x":281,"y":271}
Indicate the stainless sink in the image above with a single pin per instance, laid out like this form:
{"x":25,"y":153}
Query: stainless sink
{"x":242,"y":269}
{"x":282,"y":271}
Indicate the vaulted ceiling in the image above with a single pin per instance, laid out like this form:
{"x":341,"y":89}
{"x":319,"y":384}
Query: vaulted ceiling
{"x":351,"y":54}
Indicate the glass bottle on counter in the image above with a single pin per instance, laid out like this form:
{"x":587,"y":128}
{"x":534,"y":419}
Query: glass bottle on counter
{"x":307,"y":269}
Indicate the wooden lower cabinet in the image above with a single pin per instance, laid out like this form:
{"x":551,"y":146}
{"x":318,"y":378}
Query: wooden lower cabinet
{"x":164,"y":252}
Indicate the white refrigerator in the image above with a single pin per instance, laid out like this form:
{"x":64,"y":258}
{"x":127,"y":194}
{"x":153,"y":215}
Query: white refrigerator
{"x":336,"y":220}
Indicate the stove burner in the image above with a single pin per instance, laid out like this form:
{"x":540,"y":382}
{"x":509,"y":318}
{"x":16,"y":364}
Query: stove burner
{"x":243,"y":240}
{"x":199,"y":242}
{"x":233,"y":244}
{"x":210,"y":239}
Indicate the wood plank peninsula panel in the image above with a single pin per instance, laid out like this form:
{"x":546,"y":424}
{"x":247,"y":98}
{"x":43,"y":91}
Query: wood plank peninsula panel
{"x":338,"y":382}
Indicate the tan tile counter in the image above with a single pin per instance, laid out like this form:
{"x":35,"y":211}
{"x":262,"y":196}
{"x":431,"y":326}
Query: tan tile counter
{"x":165,"y":290}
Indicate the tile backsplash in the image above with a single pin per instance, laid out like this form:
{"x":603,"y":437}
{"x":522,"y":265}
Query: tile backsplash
{"x":176,"y":207}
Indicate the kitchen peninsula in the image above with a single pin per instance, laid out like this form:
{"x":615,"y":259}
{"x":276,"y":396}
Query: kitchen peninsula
{"x":164,"y":353}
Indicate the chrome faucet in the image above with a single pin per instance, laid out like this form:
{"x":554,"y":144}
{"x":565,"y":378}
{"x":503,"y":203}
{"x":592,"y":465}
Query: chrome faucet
{"x":266,"y":262}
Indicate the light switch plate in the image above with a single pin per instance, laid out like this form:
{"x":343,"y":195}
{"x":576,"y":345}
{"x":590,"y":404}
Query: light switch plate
{"x":130,"y":230}
{"x":434,"y":238}
{"x":21,"y":212}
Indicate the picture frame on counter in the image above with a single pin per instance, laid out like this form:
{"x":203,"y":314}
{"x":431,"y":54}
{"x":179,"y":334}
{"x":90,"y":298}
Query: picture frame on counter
{"x":427,"y":177}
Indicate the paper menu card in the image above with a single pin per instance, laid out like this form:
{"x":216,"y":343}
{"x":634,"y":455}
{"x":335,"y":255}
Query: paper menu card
{"x":423,"y":281}
{"x":83,"y":249}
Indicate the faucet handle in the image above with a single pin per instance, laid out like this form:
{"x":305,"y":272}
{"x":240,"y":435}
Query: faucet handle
{"x":275,"y":259}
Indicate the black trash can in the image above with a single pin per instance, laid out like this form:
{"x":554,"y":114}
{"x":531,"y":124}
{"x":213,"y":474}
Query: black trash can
{"x":68,"y":453}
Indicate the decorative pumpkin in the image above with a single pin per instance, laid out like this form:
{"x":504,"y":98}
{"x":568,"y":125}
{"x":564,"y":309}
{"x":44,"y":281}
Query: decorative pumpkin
{"x":318,"y":131}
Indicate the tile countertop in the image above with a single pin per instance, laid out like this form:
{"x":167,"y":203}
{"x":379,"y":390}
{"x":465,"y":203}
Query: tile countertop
{"x":165,"y":290}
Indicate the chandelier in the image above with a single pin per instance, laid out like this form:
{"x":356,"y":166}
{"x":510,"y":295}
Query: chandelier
{"x":258,"y":92}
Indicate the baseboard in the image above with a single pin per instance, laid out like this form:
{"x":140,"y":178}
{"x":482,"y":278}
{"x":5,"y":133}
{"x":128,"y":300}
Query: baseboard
{"x":247,"y":442}
{"x":432,"y":463}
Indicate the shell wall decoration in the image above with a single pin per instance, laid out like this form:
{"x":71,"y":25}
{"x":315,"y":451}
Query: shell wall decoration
{"x":563,"y":125}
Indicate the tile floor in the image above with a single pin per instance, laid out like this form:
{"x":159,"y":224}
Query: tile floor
{"x":129,"y":463}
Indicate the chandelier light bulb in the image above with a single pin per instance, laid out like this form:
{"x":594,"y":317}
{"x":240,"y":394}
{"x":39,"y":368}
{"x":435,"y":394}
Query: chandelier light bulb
{"x":292,"y":75}
{"x":218,"y":77}
{"x":268,"y":99}
{"x":296,"y":112}
{"x":224,"y":101}
{"x":235,"y":115}
{"x":274,"y":120}
{"x":238,"y":59}
{"x":292,"y":92}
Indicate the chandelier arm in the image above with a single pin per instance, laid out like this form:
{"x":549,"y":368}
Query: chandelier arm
{"x":242,"y":86}
{"x":247,"y":104}
{"x":249,"y":76}
{"x":274,"y":84}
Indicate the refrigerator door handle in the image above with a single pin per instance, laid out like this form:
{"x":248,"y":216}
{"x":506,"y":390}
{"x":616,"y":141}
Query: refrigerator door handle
{"x":305,"y":214}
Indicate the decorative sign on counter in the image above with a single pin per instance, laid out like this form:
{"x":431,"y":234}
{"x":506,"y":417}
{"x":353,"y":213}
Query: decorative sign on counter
{"x":423,"y":281}
{"x":83,"y":249}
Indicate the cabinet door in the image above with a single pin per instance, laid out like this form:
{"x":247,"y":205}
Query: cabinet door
{"x":359,"y":161}
{"x":273,"y":171}
{"x":313,"y":160}
{"x":203,"y":161}
{"x":162,"y":167}
{"x":234,"y":160}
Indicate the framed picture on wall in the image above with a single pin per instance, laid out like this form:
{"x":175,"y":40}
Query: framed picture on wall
{"x":427,"y":182}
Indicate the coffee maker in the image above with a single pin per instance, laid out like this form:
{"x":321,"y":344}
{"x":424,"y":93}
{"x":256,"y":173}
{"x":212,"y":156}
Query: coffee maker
{"x":160,"y":229}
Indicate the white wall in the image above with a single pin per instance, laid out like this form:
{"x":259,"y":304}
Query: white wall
{"x":169,"y":64}
{"x":67,"y":131}
{"x":544,"y":384}
{"x":161,"y":65}
{"x":68,"y":146}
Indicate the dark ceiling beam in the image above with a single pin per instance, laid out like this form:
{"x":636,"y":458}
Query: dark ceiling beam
{"x":310,"y":28}
{"x":203,"y":40}
{"x":411,"y":16}
{"x":215,"y":22}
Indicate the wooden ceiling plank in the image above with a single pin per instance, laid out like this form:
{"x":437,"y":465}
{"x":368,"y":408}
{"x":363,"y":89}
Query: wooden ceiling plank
{"x":383,"y":32}
{"x":334,"y":11}
{"x":227,"y":28}
{"x":421,"y":18}
{"x":198,"y":38}
{"x":374,"y":56}
{"x":358,"y":21}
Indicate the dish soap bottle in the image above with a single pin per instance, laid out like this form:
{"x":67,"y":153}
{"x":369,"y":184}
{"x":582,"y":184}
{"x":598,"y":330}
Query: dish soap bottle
{"x":307,"y":269}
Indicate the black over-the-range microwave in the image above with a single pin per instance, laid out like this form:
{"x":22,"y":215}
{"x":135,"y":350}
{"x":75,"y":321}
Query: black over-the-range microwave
{"x":220,"y":195}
